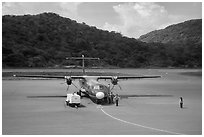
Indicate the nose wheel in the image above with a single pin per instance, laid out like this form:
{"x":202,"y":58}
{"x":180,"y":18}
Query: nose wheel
{"x":97,"y":101}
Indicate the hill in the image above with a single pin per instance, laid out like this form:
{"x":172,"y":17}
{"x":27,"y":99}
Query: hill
{"x":46,"y":39}
{"x":182,"y":33}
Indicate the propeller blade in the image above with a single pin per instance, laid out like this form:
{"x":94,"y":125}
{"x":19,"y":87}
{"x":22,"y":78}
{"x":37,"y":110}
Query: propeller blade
{"x":112,"y":87}
{"x":67,"y":88}
{"x":120,"y":87}
{"x":75,"y":86}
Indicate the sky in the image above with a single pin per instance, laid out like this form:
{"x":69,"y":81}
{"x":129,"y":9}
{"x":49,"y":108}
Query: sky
{"x":131,"y":19}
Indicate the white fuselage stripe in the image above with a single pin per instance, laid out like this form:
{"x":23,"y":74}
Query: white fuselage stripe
{"x":139,"y":124}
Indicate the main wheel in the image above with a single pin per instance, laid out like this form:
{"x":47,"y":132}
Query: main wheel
{"x":79,"y":93}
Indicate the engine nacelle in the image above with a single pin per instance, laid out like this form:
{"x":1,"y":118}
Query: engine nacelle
{"x":114,"y":80}
{"x":68,"y":80}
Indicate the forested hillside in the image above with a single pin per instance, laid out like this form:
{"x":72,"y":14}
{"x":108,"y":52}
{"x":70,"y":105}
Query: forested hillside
{"x":45,"y":40}
{"x":182,"y":33}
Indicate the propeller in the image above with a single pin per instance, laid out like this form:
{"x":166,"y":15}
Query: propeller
{"x":68,"y":81}
{"x":114,"y":81}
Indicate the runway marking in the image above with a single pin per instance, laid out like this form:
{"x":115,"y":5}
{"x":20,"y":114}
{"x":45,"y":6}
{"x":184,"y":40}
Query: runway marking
{"x":166,"y":131}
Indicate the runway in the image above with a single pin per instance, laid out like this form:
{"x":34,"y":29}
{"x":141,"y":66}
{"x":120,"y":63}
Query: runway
{"x":131,"y":123}
{"x":134,"y":116}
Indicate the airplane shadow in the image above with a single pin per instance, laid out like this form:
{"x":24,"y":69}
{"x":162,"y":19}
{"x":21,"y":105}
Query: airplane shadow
{"x":80,"y":106}
{"x":102,"y":103}
{"x":184,"y":108}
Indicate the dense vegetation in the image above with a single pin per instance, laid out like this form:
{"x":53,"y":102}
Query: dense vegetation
{"x":45,"y":40}
{"x":182,"y":33}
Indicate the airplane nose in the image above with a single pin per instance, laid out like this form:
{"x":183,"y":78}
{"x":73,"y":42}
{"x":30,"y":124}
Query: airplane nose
{"x":100,"y":95}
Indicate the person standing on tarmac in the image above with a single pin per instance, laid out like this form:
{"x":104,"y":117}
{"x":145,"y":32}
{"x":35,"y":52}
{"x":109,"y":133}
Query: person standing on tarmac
{"x":111,"y":97}
{"x":181,"y":102}
{"x":116,"y":98}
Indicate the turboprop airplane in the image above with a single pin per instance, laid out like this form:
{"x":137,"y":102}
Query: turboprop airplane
{"x":90,"y":85}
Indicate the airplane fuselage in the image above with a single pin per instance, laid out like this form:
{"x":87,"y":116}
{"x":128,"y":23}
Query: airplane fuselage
{"x":94,"y":89}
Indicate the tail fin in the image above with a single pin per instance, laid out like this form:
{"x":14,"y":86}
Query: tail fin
{"x":83,"y":58}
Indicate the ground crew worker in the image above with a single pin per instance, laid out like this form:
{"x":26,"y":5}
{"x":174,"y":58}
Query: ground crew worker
{"x":67,"y":101}
{"x":116,"y":98}
{"x":111,"y":97}
{"x":181,"y":102}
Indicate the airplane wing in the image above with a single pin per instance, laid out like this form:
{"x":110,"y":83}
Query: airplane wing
{"x":50,"y":76}
{"x":121,"y":96}
{"x":153,"y":95}
{"x":82,"y":77}
{"x":127,"y":77}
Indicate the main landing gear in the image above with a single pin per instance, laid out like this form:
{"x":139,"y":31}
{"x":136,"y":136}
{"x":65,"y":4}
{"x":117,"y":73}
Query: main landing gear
{"x":79,"y":93}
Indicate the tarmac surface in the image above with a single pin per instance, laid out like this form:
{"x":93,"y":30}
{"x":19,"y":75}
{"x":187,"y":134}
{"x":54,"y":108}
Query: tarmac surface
{"x":134,"y":116}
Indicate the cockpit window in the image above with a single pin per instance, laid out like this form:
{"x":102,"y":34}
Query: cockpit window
{"x":99,"y":87}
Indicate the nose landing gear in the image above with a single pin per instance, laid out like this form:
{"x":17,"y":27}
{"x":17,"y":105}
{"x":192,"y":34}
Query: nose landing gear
{"x":104,"y":101}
